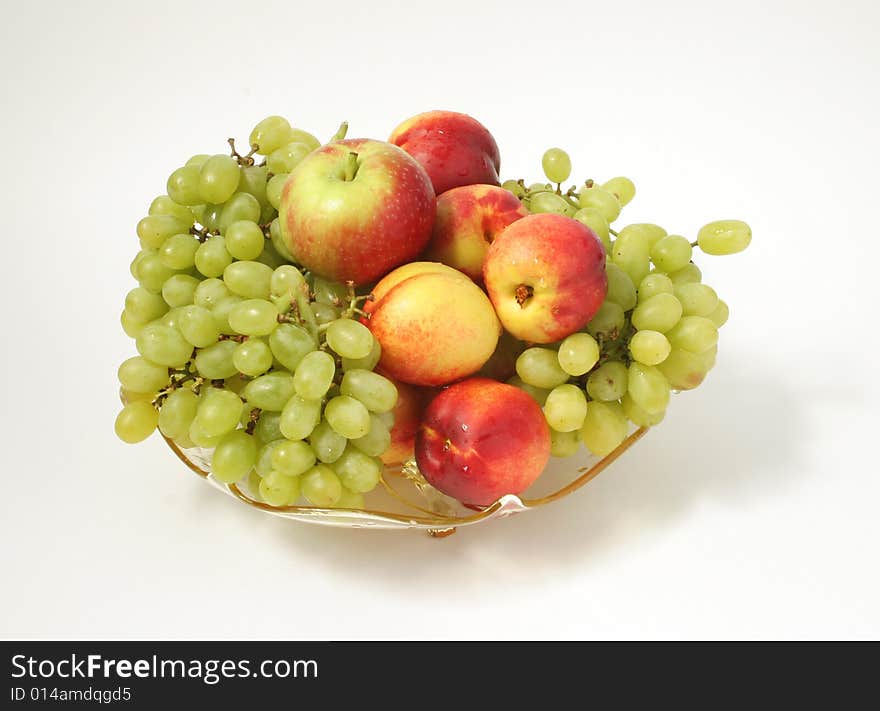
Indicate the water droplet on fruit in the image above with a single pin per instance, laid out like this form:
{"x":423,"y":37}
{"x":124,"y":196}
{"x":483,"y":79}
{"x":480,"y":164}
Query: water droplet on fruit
{"x":464,"y":427}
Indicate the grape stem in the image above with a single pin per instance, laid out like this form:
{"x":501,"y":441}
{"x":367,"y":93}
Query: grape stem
{"x":242,"y":160}
{"x":612,"y":232}
{"x":695,"y":243}
{"x":202,"y":233}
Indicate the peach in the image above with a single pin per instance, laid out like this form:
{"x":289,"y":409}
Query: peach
{"x":402,"y":274}
{"x":434,"y":327}
{"x":411,"y":403}
{"x":453,"y":148}
{"x":468,"y":220}
{"x":545,"y":275}
{"x":481,"y":439}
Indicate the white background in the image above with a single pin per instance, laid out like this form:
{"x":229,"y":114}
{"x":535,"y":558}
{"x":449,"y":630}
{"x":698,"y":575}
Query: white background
{"x":750,"y":512}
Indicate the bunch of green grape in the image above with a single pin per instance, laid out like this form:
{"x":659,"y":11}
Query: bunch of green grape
{"x":656,"y":332}
{"x":240,"y":351}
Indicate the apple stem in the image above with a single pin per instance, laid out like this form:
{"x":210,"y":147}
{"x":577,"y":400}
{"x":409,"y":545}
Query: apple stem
{"x":523,"y":294}
{"x":351,"y":166}
{"x":340,"y":132}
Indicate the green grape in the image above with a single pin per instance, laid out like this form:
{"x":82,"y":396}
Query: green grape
{"x":719,"y":314}
{"x":327,"y":443}
{"x":601,"y":200}
{"x":685,"y":370}
{"x":197,"y":326}
{"x":131,"y":326}
{"x":550,"y":202}
{"x":141,"y":376}
{"x":724,"y":237}
{"x":212,"y":257}
{"x":215,"y":362}
{"x":253,"y":181}
{"x":357,"y":471}
{"x":218,"y":179}
{"x":557,"y":165}
{"x":253,"y":482}
{"x":180,"y":290}
{"x":329,"y":292}
{"x":578,"y":353}
{"x":164,"y":205}
{"x":268,"y":427}
{"x":696,"y":299}
{"x":350,"y":500}
{"x":321,"y":486}
{"x":271,"y":391}
{"x":287,"y":281}
{"x":172,"y":317}
{"x":564,"y":444}
{"x":608,"y":382}
{"x":688,"y":274}
{"x":637,"y":415}
{"x":219,"y":412}
{"x":210,"y":216}
{"x":184,"y":442}
{"x":644,"y":233}
{"x":539,"y":395}
{"x":565,"y":408}
{"x":631,"y":255}
{"x":128,"y":396}
{"x":604,"y":428}
{"x":153,"y":230}
{"x":350,"y":339}
{"x":376,"y":392}
{"x":292,"y":458}
{"x":349,"y":417}
{"x":286,"y":158}
{"x":694,"y":333}
{"x":608,"y":321}
{"x":143,"y":305}
{"x":368,"y":362}
{"x":622,"y":188}
{"x":299,"y":417}
{"x":263,"y":465}
{"x":274,"y":189}
{"x":179,"y":251}
{"x":183,"y":185}
{"x":671,"y":253}
{"x":136,"y":422}
{"x":595,"y":220}
{"x":163,"y":345}
{"x":659,"y":313}
{"x":540,"y":367}
{"x":253,"y":357}
{"x":324,"y":313}
{"x":248,"y":279}
{"x":198,"y":160}
{"x":209,"y":292}
{"x":178,"y":412}
{"x":244,"y":240}
{"x":138,"y":258}
{"x":649,"y":347}
{"x":253,"y":317}
{"x":620,"y":287}
{"x":152,"y":274}
{"x":270,"y":257}
{"x":276,"y":237}
{"x":276,"y":489}
{"x":653,"y":284}
{"x":314,"y":375}
{"x":297,"y":135}
{"x":515,"y":187}
{"x":377,"y":440}
{"x":234,"y":457}
{"x":240,"y":207}
{"x":540,"y":188}
{"x":199,"y":438}
{"x":386,"y":418}
{"x":648,"y":388}
{"x":220,"y":312}
{"x":270,"y":134}
{"x":290,"y":344}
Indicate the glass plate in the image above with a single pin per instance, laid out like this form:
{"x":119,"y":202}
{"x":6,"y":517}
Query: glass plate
{"x":403,"y":499}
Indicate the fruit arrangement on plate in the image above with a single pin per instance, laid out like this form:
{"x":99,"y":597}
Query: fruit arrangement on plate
{"x":384,"y":333}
